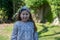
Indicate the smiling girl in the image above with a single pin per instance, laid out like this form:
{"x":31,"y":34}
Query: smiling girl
{"x":24,"y":28}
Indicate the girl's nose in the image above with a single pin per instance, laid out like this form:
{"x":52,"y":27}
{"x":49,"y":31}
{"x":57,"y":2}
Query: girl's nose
{"x":25,"y":16}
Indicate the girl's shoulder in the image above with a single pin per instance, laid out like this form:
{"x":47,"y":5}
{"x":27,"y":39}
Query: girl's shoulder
{"x":21,"y":23}
{"x":17,"y":23}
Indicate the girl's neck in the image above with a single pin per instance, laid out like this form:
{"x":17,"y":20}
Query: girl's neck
{"x":24,"y":21}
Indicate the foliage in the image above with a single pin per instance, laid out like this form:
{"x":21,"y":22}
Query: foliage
{"x":10,"y":7}
{"x":54,"y":4}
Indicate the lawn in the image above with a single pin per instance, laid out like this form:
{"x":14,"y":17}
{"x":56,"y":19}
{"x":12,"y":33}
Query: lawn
{"x":47,"y":32}
{"x":5,"y":31}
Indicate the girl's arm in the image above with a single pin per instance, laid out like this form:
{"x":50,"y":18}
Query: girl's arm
{"x":14,"y":33}
{"x":36,"y":36}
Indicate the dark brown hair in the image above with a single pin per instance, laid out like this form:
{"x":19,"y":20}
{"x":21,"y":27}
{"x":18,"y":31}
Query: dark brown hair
{"x":30,"y":19}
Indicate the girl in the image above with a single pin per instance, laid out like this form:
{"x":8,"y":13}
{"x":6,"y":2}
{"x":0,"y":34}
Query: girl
{"x":24,"y":28}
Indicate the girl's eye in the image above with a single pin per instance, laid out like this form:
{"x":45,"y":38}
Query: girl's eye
{"x":23,"y":14}
{"x":26,"y":14}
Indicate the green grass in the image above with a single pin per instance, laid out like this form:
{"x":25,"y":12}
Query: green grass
{"x":52,"y":32}
{"x":6,"y":33}
{"x":3,"y":37}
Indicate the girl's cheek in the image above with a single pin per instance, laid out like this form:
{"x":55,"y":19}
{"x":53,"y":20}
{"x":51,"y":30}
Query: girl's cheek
{"x":28,"y":16}
{"x":21,"y":16}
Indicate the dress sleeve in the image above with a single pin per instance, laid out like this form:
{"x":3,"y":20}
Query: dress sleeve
{"x":36,"y":36}
{"x":14,"y":32}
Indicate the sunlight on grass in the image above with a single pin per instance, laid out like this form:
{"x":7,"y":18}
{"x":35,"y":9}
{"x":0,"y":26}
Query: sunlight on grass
{"x":51,"y":30}
{"x":6,"y":34}
{"x":3,"y":37}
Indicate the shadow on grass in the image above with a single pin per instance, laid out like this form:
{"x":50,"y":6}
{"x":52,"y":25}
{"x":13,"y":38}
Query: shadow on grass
{"x":44,"y":30}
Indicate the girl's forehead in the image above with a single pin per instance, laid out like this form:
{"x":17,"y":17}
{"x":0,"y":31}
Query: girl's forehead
{"x":25,"y":11}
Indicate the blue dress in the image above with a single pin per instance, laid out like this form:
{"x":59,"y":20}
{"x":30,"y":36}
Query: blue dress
{"x":24,"y":31}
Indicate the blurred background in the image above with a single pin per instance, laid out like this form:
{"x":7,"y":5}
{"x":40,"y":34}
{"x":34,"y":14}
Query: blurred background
{"x":45,"y":13}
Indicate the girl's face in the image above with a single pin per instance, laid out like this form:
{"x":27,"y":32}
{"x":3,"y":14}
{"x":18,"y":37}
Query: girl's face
{"x":24,"y":16}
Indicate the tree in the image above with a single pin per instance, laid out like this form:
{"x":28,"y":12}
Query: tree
{"x":10,"y":7}
{"x":41,"y":7}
